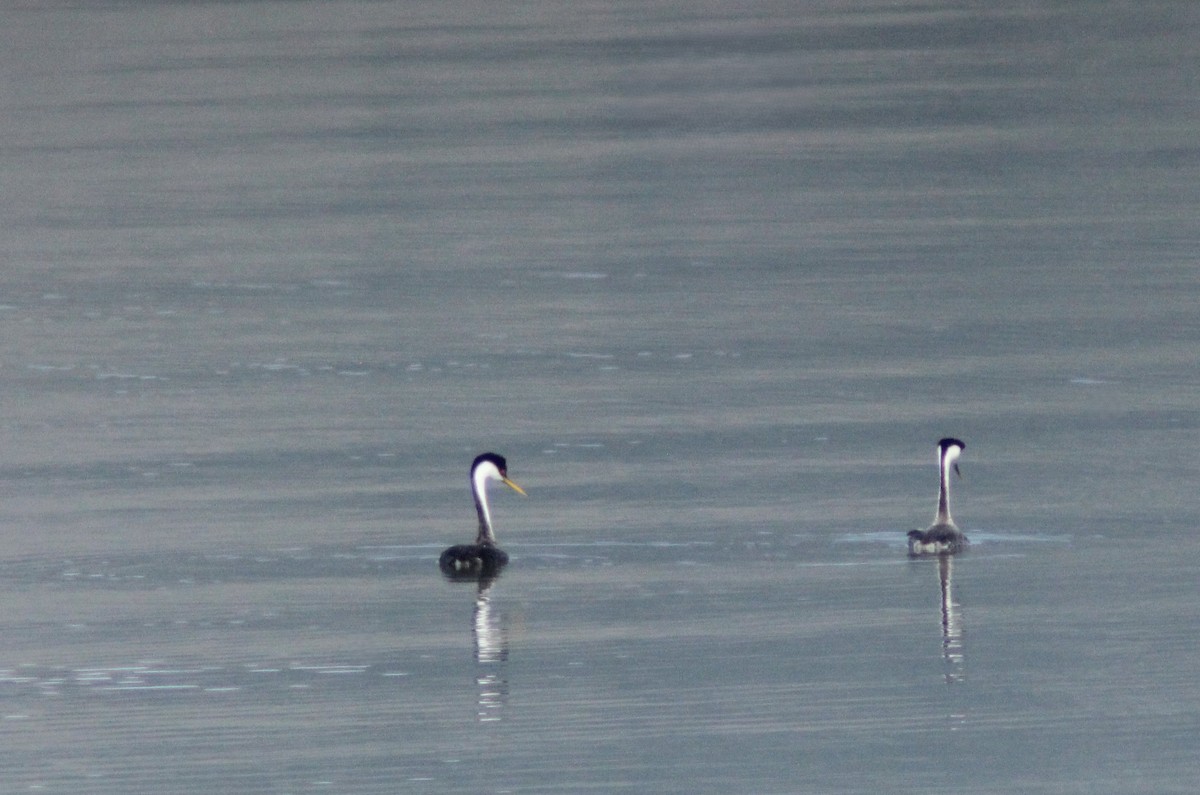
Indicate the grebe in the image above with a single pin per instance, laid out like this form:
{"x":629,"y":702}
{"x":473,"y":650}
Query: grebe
{"x":483,"y":557}
{"x":943,"y":537}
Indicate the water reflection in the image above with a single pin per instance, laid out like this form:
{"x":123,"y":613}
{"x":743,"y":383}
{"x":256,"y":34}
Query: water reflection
{"x":491,"y":650}
{"x":952,"y":646}
{"x":491,"y":655}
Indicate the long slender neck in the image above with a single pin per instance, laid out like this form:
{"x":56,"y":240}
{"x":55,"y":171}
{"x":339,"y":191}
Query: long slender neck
{"x":479,"y":489}
{"x":943,"y":509}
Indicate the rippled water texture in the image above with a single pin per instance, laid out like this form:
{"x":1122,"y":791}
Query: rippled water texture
{"x":715,"y":278}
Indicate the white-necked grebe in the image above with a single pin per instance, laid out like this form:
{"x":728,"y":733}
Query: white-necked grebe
{"x":483,"y":557}
{"x":943,"y":537}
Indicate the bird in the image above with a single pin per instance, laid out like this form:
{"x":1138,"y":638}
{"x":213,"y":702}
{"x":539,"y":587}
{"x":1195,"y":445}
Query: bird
{"x":943,"y":537}
{"x":483,"y":558}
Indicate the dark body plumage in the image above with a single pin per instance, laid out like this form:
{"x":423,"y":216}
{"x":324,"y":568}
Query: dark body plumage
{"x":473,"y":560}
{"x":941,"y":539}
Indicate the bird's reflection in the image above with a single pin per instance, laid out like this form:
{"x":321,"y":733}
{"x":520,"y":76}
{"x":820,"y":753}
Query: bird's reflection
{"x":952,"y":641}
{"x":491,"y":650}
{"x":491,"y":655}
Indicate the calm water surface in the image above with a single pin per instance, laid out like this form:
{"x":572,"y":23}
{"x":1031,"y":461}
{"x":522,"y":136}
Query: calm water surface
{"x":715,"y":280}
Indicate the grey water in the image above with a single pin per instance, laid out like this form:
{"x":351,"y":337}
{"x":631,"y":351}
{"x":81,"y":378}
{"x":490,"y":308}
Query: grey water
{"x":715,"y":278}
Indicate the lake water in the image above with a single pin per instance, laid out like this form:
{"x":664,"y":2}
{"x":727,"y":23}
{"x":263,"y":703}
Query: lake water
{"x":715,"y":278}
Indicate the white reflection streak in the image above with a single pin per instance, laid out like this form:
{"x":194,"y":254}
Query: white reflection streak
{"x":491,"y":653}
{"x":952,"y":646}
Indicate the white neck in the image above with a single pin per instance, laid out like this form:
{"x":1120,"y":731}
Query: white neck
{"x":945,"y":463}
{"x":479,"y":478}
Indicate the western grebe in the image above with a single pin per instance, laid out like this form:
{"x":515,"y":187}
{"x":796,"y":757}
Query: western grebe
{"x":943,"y":537}
{"x":483,"y":557}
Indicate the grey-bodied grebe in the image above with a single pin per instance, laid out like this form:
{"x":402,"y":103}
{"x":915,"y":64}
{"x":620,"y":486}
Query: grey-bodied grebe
{"x":943,"y":537}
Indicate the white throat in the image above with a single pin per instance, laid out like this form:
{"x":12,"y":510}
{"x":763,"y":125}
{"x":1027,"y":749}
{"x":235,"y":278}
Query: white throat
{"x":483,"y":473}
{"x":948,"y":456}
